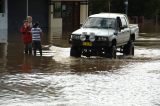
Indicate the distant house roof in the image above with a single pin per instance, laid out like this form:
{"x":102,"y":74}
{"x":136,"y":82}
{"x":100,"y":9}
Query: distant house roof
{"x":69,"y":0}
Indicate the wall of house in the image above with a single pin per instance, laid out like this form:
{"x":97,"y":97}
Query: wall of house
{"x":17,"y":12}
{"x":57,"y":23}
{"x":39,"y":10}
{"x":83,"y":12}
{"x":3,"y":23}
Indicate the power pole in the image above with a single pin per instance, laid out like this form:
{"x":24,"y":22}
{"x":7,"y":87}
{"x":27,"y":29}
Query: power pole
{"x":126,"y":7}
{"x":109,"y":6}
{"x":27,"y":8}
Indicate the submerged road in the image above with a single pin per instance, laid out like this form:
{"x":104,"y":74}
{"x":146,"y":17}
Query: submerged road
{"x":56,"y":79}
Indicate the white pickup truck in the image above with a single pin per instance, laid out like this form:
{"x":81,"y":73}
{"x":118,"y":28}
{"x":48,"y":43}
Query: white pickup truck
{"x":102,"y":34}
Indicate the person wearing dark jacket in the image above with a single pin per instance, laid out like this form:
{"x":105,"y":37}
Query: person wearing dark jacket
{"x":26,"y":37}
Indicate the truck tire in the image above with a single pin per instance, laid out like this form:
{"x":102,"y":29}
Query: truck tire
{"x":128,"y":49}
{"x":112,"y":53}
{"x":75,"y":51}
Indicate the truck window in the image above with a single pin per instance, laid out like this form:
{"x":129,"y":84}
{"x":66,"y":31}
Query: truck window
{"x":124,"y":22}
{"x":96,"y":22}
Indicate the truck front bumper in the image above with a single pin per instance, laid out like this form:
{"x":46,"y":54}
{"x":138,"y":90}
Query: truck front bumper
{"x":89,"y":44}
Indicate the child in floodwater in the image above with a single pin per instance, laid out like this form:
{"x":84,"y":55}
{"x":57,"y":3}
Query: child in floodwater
{"x":26,"y":37}
{"x":36,"y":38}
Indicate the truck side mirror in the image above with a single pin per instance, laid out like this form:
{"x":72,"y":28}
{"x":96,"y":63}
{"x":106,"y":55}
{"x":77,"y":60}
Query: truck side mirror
{"x":119,"y":24}
{"x":116,"y":33}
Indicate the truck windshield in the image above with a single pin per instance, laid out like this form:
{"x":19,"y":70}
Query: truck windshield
{"x":96,"y":22}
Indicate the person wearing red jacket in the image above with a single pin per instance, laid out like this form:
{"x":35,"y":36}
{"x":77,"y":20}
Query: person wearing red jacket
{"x":26,"y":37}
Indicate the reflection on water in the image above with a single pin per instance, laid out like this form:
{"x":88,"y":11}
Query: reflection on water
{"x":60,"y":80}
{"x":133,"y":84}
{"x":3,"y":56}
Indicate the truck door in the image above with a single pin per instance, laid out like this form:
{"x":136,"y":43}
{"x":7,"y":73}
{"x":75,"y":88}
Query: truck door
{"x":3,"y":22}
{"x":119,"y":31}
{"x":125,"y":30}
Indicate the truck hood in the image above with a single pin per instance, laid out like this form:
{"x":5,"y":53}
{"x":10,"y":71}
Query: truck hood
{"x":96,"y":31}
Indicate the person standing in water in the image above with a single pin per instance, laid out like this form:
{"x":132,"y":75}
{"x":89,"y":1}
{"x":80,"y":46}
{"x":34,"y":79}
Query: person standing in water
{"x":26,"y":37}
{"x":36,"y":38}
{"x":29,"y":19}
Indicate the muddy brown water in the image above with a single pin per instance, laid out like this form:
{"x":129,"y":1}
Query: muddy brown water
{"x":56,"y":79}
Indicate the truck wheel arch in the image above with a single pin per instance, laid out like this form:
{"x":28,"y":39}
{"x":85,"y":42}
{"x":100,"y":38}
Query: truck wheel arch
{"x":114,"y":42}
{"x":132,"y":37}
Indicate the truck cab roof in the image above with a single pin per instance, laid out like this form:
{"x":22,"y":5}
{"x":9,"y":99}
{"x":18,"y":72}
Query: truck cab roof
{"x":108,"y":15}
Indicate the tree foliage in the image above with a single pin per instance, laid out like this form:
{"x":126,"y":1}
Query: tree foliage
{"x":147,"y":8}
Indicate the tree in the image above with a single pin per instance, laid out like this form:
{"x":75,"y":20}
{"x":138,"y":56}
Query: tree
{"x":147,"y":8}
{"x":97,"y":6}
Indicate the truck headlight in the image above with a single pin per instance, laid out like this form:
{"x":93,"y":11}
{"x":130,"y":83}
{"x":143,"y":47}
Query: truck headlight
{"x":83,"y":37}
{"x":92,"y":37}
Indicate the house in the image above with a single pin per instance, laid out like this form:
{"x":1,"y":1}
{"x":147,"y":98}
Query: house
{"x":3,"y":21}
{"x":58,"y":17}
{"x":67,"y":15}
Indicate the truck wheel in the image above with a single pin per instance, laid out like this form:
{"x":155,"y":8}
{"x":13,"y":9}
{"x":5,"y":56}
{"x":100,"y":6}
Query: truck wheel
{"x":128,"y":49}
{"x":112,"y":52}
{"x":75,"y":51}
{"x":132,"y":50}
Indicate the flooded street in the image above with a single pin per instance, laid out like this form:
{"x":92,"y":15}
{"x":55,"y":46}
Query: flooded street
{"x":56,"y":79}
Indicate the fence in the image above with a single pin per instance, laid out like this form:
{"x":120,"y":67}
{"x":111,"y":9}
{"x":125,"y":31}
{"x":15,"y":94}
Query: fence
{"x":146,"y":25}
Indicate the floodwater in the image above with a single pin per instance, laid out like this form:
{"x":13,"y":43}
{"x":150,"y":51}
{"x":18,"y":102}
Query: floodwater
{"x":56,"y":79}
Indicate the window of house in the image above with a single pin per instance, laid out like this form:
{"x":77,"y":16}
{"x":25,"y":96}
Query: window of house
{"x":57,"y":10}
{"x":1,"y":6}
